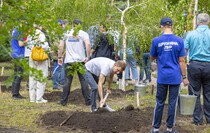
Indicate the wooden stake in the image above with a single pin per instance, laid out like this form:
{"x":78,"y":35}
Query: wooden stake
{"x":2,"y":71}
{"x":0,"y":88}
{"x":137,"y":98}
{"x":66,"y":120}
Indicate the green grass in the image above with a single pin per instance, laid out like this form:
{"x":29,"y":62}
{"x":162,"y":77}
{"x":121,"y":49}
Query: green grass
{"x":23,"y":115}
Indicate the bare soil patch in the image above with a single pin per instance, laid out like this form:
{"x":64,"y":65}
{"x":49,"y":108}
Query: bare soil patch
{"x":128,"y":119}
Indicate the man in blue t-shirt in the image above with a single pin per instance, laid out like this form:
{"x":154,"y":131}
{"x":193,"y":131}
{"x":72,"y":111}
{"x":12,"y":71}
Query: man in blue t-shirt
{"x":169,"y":51}
{"x":18,"y":51}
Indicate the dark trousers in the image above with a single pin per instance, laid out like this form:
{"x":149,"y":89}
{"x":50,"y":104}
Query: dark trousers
{"x":145,"y":67}
{"x":161,"y":95}
{"x":199,"y":77}
{"x":67,"y":86}
{"x":17,"y":79}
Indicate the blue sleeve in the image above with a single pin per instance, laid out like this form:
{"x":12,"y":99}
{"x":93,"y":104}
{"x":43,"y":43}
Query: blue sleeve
{"x":16,"y":34}
{"x":153,"y":50}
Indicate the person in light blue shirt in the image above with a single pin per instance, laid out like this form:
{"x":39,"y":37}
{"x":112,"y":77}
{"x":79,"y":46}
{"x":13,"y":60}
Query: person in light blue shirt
{"x":197,"y":42}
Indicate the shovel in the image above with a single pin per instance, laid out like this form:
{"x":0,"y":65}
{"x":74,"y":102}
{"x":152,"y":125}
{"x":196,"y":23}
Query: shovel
{"x":105,"y":97}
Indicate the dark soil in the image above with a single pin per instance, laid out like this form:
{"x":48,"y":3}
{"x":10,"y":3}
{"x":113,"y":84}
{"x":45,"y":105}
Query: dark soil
{"x":128,"y":119}
{"x":124,"y":120}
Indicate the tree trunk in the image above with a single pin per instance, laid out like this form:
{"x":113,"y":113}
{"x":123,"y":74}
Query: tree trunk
{"x":125,"y":31}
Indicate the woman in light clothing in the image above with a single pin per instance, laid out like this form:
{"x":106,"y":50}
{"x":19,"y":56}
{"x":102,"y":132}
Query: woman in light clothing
{"x":37,"y":88}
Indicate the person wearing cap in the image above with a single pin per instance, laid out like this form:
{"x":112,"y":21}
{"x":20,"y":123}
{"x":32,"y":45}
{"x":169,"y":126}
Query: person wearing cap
{"x":74,"y":52}
{"x":197,"y":42}
{"x":169,"y":51}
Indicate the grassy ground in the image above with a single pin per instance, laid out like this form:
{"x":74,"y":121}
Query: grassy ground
{"x":24,"y":116}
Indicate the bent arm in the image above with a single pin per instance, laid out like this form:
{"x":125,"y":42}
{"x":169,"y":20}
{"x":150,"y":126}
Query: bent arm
{"x":183,"y":70}
{"x":110,"y":80}
{"x":88,"y":47}
{"x":61,"y":48}
{"x":100,"y":85}
{"x":21,"y":43}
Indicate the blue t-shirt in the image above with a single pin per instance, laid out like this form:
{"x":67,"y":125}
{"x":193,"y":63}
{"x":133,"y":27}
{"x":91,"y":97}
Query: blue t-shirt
{"x":17,"y":51}
{"x":168,"y":48}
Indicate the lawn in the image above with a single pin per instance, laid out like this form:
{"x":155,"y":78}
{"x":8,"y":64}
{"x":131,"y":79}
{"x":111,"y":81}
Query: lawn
{"x":22,"y":116}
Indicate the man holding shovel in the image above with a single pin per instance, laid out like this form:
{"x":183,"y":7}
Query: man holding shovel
{"x":97,"y":70}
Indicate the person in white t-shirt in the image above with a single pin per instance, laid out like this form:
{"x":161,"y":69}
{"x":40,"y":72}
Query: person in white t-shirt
{"x":74,"y":52}
{"x":99,"y":68}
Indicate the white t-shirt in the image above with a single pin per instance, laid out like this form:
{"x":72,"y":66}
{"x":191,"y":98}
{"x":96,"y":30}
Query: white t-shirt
{"x":100,"y":65}
{"x":75,"y":49}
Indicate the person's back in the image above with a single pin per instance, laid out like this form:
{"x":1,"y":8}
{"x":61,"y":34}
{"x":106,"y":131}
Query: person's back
{"x":104,"y":44}
{"x":169,"y":48}
{"x":93,"y":32}
{"x":100,"y":65}
{"x":169,"y":51}
{"x":197,"y":42}
{"x":199,"y":36}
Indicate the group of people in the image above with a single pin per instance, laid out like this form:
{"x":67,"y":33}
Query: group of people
{"x":168,"y":50}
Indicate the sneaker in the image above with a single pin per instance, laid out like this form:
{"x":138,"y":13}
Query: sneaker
{"x":117,"y":82}
{"x":18,"y":97}
{"x":41,"y":101}
{"x":140,"y":82}
{"x":146,"y":81}
{"x":109,"y":108}
{"x":152,"y":131}
{"x":32,"y":101}
{"x":93,"y":110}
{"x":173,"y":131}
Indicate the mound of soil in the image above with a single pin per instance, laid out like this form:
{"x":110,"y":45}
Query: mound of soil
{"x":128,"y":119}
{"x":76,"y":97}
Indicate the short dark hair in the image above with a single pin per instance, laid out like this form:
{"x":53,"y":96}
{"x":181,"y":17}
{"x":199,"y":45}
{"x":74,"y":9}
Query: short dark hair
{"x":77,"y":21}
{"x":104,"y":26}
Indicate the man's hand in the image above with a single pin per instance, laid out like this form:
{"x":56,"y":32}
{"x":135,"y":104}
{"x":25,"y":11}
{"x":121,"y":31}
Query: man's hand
{"x":185,"y":82}
{"x":86,"y":60}
{"x":60,"y":61}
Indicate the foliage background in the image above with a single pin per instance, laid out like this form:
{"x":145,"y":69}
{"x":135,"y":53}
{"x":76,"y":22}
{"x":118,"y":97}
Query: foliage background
{"x":142,"y":21}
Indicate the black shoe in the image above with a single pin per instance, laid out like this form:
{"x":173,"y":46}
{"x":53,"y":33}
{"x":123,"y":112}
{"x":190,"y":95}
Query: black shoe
{"x":62,"y":103}
{"x":18,"y":97}
{"x":197,"y":123}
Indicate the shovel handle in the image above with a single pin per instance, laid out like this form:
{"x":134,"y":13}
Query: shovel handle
{"x":105,"y":97}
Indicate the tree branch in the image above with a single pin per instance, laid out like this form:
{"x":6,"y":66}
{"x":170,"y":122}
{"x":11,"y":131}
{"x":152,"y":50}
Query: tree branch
{"x":139,"y":4}
{"x":1,"y":4}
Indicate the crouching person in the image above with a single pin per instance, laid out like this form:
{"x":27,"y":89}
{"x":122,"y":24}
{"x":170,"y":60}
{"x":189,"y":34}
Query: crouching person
{"x":97,"y":70}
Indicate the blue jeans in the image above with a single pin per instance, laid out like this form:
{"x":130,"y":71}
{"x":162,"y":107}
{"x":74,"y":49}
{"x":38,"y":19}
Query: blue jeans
{"x":199,"y":77}
{"x":67,"y":86}
{"x":161,"y":95}
{"x":57,"y":80}
{"x":94,"y":89}
{"x":145,"y":67}
{"x":131,"y":63}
